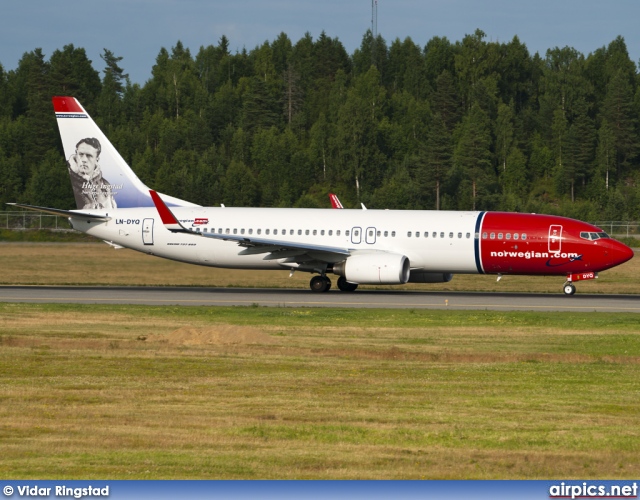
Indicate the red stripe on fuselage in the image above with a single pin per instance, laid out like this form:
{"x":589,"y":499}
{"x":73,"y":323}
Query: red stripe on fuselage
{"x":544,"y":244}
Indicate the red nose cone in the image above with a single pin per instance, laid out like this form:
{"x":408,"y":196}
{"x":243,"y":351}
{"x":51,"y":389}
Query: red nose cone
{"x":624,"y":253}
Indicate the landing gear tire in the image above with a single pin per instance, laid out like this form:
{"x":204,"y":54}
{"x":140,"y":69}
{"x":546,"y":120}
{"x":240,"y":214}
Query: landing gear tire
{"x":320,"y":284}
{"x":345,"y":286}
{"x":569,"y":289}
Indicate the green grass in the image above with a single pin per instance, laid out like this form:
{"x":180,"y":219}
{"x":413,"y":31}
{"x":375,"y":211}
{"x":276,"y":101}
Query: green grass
{"x":316,"y":393}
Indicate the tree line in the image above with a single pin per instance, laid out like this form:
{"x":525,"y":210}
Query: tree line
{"x":470,"y":125}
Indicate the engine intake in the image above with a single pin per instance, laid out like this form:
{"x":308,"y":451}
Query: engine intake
{"x":376,"y":268}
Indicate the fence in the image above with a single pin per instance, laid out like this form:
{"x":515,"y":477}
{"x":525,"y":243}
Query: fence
{"x":619,"y":228}
{"x":20,"y":221}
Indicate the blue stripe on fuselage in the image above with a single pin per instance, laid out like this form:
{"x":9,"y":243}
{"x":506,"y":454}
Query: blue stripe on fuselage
{"x":476,"y":242}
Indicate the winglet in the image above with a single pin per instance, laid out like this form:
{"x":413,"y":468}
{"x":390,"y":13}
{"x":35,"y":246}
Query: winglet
{"x":335,"y":202}
{"x":168,"y":219}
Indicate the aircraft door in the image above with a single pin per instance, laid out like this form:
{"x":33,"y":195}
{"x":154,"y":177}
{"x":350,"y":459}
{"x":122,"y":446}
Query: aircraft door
{"x":147,"y":231}
{"x":555,"y":238}
{"x":356,"y":235}
{"x":370,"y":235}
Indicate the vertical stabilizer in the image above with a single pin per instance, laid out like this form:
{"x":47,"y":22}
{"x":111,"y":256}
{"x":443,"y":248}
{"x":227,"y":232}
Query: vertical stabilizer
{"x":100,"y":177}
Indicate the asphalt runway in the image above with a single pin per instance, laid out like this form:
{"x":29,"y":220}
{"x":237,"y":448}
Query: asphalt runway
{"x":167,"y":296}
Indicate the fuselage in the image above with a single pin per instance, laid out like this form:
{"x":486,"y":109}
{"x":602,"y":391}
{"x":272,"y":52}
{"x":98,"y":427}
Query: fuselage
{"x":433,"y":241}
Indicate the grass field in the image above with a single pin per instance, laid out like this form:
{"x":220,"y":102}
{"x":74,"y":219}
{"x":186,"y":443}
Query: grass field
{"x":99,"y":264}
{"x":146,"y":392}
{"x":130,"y":392}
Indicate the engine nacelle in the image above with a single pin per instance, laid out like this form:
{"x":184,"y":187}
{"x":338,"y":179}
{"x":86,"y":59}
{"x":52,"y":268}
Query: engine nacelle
{"x":424,"y":277}
{"x":375,"y":268}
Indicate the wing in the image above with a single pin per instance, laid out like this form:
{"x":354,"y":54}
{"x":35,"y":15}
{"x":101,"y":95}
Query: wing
{"x":276,"y":249}
{"x":65,"y":213}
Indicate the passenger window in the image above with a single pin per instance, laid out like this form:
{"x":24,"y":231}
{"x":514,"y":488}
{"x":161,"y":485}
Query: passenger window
{"x":322,"y":233}
{"x":315,"y":232}
{"x":417,"y":234}
{"x":393,"y":234}
{"x":441,"y":235}
{"x":330,"y":232}
{"x":227,"y":231}
{"x":250,"y":231}
{"x":346,"y":233}
{"x":499,"y":236}
{"x":275,"y":232}
{"x":259,"y":231}
{"x":426,"y":234}
{"x":379,"y":233}
{"x":484,"y":236}
{"x":299,"y":232}
{"x":516,"y":236}
{"x":220,"y":230}
{"x":468,"y":235}
{"x":409,"y":234}
{"x":508,"y":236}
{"x":460,"y":235}
{"x":242,"y":231}
{"x":450,"y":235}
{"x":386,"y":233}
{"x":338,"y":232}
{"x":235,"y":231}
{"x":306,"y":232}
{"x":492,"y":236}
{"x":266,"y":231}
{"x":524,"y":236}
{"x":205,"y":230}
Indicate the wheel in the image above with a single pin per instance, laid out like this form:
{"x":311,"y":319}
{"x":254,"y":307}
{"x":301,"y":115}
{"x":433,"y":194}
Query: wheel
{"x":345,"y":286}
{"x":569,"y":289}
{"x":320,"y":284}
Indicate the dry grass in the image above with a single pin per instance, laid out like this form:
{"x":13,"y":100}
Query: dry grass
{"x":143,"y":392}
{"x":99,"y":264}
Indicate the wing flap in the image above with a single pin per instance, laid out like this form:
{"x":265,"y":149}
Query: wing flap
{"x":277,"y":249}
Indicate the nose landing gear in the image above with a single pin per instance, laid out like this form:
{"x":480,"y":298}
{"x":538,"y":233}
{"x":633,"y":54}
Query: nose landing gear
{"x":569,"y":289}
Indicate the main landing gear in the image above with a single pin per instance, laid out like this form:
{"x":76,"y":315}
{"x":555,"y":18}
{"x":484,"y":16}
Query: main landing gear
{"x":321,"y":284}
{"x":345,"y":286}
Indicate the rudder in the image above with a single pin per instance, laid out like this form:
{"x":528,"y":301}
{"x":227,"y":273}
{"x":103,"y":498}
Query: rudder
{"x":100,"y":177}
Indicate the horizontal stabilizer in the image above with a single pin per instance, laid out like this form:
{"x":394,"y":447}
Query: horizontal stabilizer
{"x":65,"y":213}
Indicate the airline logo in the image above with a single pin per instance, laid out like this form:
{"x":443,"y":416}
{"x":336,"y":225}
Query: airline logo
{"x":200,"y":222}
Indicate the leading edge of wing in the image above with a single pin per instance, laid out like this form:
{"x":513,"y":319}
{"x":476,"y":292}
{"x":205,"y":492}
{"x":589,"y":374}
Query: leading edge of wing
{"x":254,"y":245}
{"x":64,"y":213}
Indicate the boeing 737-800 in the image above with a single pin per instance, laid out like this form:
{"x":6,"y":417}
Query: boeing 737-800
{"x":389,"y":247}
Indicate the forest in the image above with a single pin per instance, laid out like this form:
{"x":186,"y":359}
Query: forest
{"x":466,"y":125}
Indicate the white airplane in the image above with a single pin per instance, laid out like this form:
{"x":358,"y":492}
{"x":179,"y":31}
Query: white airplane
{"x":389,"y":247}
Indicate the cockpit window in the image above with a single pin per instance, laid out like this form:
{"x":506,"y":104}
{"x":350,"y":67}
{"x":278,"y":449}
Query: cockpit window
{"x":593,"y":236}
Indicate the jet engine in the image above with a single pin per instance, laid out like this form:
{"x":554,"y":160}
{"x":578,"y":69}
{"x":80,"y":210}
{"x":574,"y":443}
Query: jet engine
{"x":423,"y":277}
{"x":375,"y":268}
